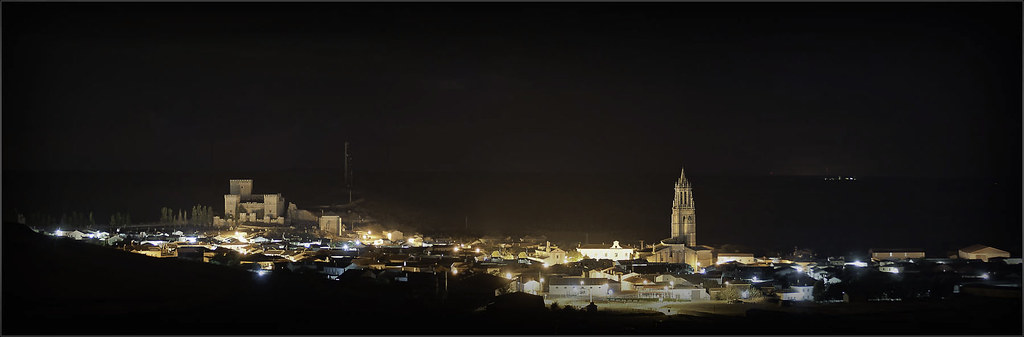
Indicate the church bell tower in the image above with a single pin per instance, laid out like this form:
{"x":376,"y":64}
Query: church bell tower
{"x":684,"y":227}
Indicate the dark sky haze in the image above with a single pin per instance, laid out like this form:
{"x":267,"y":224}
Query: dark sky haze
{"x":929,"y":89}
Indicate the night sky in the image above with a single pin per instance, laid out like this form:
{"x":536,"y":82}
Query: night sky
{"x":920,"y":89}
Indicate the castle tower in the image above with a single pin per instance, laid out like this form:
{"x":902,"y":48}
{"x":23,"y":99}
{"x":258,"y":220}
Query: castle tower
{"x":241,"y":187}
{"x":684,"y":226}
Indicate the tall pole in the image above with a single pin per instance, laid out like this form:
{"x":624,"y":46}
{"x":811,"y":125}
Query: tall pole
{"x":348,"y":171}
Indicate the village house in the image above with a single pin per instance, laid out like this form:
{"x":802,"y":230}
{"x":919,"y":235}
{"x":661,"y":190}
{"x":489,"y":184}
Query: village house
{"x":897,"y":254}
{"x":744,"y":258}
{"x":797,"y":293}
{"x":981,"y":252}
{"x":606,"y":252}
{"x":582,"y":287}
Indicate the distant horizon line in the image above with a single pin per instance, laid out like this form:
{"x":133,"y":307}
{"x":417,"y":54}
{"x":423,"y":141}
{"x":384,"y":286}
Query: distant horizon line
{"x":390,"y":171}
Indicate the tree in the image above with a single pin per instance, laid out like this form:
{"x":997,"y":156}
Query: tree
{"x":819,"y":290}
{"x":226,"y":257}
{"x":166,"y":215}
{"x":729,"y":294}
{"x":91,"y":221}
{"x":574,"y":255}
{"x":680,"y":269}
{"x":755,"y":294}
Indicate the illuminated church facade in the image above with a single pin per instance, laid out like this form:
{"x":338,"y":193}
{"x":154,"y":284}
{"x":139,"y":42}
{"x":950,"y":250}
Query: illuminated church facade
{"x":682,"y":246}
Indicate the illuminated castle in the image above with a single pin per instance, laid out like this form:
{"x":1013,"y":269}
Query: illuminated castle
{"x":241,"y":206}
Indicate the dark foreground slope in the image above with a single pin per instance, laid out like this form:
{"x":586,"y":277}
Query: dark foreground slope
{"x":59,"y":286}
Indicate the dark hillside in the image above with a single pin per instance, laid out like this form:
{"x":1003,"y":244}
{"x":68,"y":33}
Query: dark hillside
{"x":58,"y":286}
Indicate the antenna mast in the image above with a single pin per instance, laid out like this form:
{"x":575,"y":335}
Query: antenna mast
{"x":348,"y":171}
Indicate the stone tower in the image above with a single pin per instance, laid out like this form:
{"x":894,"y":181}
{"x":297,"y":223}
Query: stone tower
{"x":684,"y":226}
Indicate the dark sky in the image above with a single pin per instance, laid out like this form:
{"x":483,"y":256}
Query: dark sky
{"x":859,"y":88}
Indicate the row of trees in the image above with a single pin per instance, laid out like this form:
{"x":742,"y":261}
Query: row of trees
{"x":198,"y":215}
{"x":118,"y":220}
{"x":74,"y":220}
{"x":78,"y":220}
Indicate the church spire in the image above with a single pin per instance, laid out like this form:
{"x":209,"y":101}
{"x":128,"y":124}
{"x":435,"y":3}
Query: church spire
{"x":683,"y":223}
{"x":682,"y":176}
